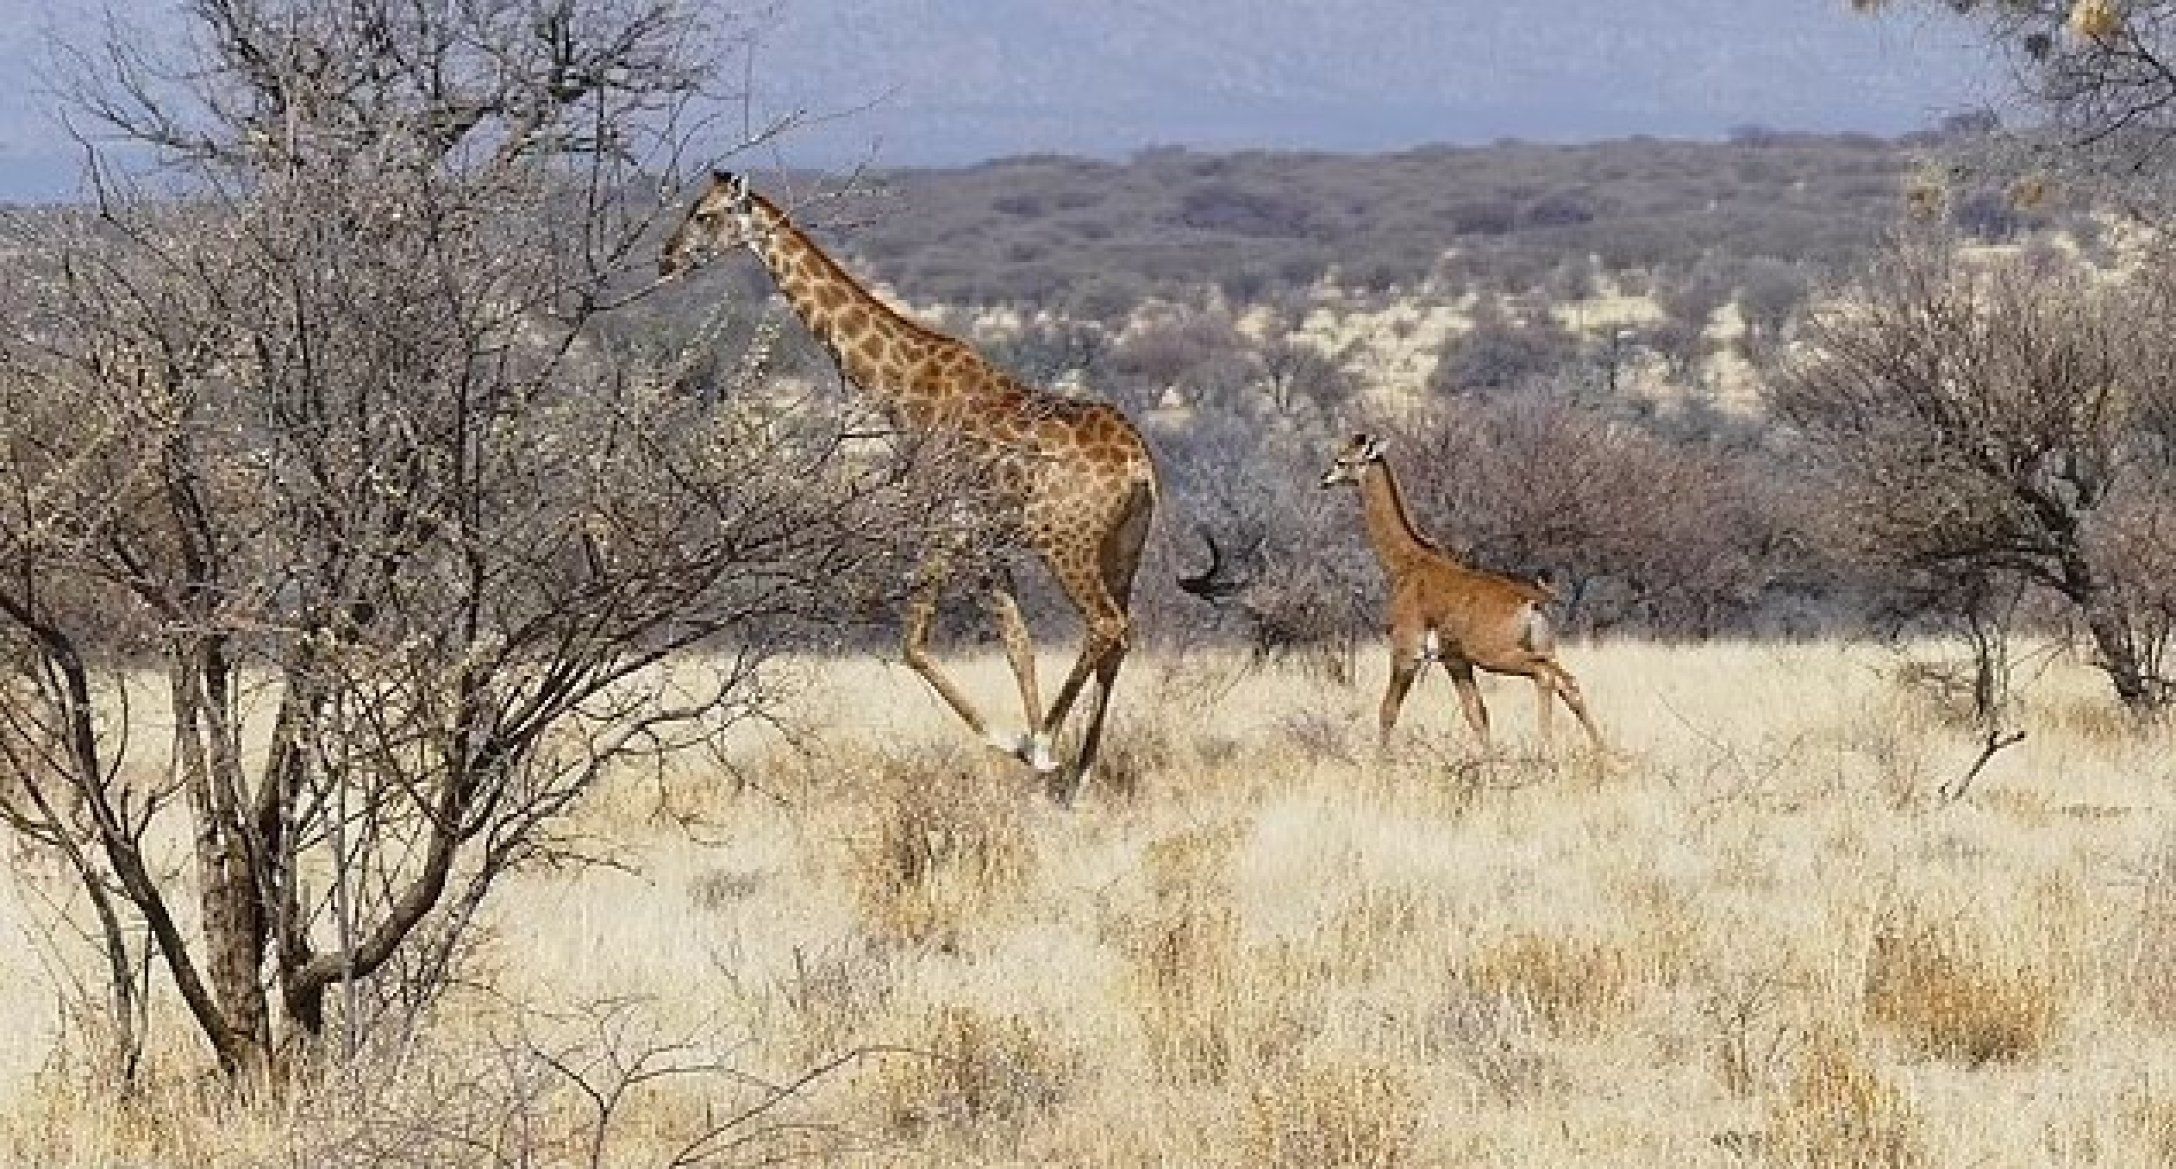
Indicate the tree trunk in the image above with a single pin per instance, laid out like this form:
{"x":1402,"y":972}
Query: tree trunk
{"x":2108,"y":621}
{"x":233,"y":918}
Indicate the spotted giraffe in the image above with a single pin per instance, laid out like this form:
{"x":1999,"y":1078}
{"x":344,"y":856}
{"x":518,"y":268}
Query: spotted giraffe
{"x":1076,"y":485}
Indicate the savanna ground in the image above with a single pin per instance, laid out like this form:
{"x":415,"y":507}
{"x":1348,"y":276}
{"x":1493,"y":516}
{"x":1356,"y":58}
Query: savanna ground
{"x":1760,"y":937}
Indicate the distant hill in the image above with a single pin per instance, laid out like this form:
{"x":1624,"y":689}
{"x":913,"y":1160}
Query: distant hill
{"x":1093,"y":238}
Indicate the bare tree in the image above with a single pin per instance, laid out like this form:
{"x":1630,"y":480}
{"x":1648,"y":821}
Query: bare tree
{"x":313,"y":469}
{"x":1977,"y":422}
{"x":2102,"y":76}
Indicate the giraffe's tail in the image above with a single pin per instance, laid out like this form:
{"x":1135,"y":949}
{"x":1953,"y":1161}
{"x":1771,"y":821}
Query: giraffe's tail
{"x":1217,"y":581}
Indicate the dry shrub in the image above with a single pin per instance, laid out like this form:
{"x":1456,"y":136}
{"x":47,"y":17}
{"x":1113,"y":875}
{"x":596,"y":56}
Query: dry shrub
{"x":1952,"y":993}
{"x":947,"y":844}
{"x":836,"y":993}
{"x":1572,"y":984}
{"x":1500,"y":1046}
{"x":1838,"y":1113}
{"x":1751,"y":1038}
{"x":1937,"y":690}
{"x":1331,"y":1115}
{"x":975,"y":1073}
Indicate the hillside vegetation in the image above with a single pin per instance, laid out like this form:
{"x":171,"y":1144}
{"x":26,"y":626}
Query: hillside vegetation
{"x":1094,"y":238}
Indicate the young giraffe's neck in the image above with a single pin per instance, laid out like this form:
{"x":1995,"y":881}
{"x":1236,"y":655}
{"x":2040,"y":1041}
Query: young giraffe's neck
{"x":1398,"y":544}
{"x":874,"y":344}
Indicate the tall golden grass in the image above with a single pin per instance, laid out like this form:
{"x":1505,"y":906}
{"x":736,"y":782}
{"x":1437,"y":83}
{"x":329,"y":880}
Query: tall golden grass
{"x":1760,"y":936}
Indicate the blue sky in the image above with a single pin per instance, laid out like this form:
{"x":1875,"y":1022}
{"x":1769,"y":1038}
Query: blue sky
{"x":950,"y":81}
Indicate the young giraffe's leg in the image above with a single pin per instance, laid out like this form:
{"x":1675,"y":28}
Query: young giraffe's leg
{"x":1120,"y":560}
{"x":1567,"y":688}
{"x":1469,"y":697}
{"x":921,"y":615}
{"x":1545,"y":700}
{"x":1031,"y":747}
{"x":1406,"y":648}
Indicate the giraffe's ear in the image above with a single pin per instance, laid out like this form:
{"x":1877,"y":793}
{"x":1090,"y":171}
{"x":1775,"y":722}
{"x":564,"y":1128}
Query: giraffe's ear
{"x":1373,"y":451}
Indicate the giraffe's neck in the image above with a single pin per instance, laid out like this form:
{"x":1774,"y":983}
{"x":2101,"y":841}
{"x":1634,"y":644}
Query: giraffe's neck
{"x":874,"y":345}
{"x":1398,"y":544}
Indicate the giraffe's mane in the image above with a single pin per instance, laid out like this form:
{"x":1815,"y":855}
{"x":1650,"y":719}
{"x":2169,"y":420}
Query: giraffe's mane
{"x":839,"y":272}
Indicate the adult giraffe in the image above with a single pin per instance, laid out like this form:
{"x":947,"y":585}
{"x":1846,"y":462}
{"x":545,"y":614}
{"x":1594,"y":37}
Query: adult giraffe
{"x":1072,"y":479}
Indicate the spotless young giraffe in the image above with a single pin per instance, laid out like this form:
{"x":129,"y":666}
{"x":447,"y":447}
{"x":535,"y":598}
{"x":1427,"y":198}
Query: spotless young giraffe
{"x":1443,"y":611}
{"x":1072,"y":480}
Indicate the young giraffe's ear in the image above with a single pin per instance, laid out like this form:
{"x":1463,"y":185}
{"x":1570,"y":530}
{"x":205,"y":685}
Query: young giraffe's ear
{"x":1374,"y":450}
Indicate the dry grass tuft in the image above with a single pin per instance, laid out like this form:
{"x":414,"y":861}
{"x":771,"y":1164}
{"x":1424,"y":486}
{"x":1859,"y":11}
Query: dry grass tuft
{"x":1951,"y":993}
{"x":2093,"y":721}
{"x":1186,"y":960}
{"x":1838,"y":1112}
{"x":976,"y":1073}
{"x":1374,"y":926}
{"x":836,"y":993}
{"x":1751,"y":1038}
{"x":2146,"y":976}
{"x":1331,"y":1115}
{"x":944,"y":845}
{"x":1574,"y":984}
{"x":2149,"y":1118}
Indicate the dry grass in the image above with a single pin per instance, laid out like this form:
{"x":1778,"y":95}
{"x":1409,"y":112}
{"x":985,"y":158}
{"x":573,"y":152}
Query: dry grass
{"x":1952,"y":992}
{"x":1759,"y":938}
{"x":976,"y":1075}
{"x":1571,"y":983}
{"x":1840,"y":1112}
{"x":1360,"y":1115}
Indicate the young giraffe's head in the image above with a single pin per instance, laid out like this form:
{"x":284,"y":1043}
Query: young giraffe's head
{"x":1353,"y":459}
{"x":723,"y":217}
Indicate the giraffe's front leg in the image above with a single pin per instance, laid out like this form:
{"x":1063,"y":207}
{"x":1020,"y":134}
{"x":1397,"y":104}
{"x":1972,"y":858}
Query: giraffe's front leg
{"x":1031,"y":746}
{"x":921,"y":616}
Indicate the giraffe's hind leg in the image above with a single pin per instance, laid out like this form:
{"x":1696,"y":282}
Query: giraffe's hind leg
{"x":1567,"y":688}
{"x":1103,"y":594}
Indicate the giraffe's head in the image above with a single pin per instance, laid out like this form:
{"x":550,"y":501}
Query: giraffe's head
{"x":724,"y":217}
{"x":1353,"y":459}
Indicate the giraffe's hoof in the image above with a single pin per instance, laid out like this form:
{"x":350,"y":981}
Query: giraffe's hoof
{"x":1035,"y":752}
{"x":1031,"y":749}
